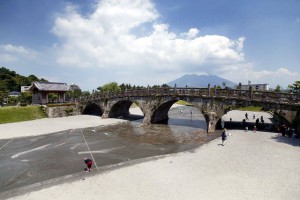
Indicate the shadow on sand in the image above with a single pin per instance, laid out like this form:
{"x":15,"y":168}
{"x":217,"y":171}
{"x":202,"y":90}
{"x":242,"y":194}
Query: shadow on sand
{"x":288,"y":140}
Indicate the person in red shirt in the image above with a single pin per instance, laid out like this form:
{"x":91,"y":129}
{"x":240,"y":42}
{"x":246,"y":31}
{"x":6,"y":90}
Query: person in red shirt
{"x":88,"y":163}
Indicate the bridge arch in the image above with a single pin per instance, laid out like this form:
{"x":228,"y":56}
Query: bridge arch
{"x":92,"y":109}
{"x":160,"y":115}
{"x":120,"y":109}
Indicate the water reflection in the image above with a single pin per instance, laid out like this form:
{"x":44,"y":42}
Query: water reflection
{"x":186,"y":125}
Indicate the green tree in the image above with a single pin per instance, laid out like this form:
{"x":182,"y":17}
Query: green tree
{"x":224,"y":84}
{"x":123,"y":87}
{"x":11,"y":81}
{"x":165,"y":86}
{"x":85,"y":93}
{"x":277,"y":89}
{"x":25,"y":97}
{"x":74,"y":93}
{"x":295,"y":87}
{"x":155,"y":86}
{"x":32,"y":78}
{"x":110,"y":87}
{"x":53,"y":97}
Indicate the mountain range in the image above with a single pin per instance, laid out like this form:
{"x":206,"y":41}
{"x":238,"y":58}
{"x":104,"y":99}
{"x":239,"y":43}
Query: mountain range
{"x":194,"y":80}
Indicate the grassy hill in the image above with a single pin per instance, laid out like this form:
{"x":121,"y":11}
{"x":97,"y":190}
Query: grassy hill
{"x":18,"y":114}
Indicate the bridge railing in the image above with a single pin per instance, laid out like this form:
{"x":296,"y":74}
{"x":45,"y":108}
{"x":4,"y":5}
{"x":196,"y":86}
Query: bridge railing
{"x":268,"y":96}
{"x":264,"y":96}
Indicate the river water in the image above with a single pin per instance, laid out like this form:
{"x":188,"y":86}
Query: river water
{"x":186,"y":129}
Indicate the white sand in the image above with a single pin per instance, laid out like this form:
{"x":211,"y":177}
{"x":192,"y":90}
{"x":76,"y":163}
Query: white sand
{"x":51,"y":125}
{"x":239,"y":115}
{"x":260,"y":166}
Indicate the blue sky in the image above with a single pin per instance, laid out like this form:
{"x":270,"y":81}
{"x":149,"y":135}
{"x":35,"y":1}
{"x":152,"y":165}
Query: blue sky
{"x":147,"y":42}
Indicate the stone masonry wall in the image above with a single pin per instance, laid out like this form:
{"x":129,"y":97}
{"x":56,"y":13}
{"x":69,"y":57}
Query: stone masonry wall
{"x":62,"y":111}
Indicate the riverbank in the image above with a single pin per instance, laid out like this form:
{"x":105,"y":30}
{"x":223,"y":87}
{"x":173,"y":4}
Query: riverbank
{"x":261,"y":166}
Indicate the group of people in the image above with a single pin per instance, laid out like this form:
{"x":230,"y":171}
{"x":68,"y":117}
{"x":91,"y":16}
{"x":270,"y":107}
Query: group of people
{"x":285,"y":130}
{"x":256,"y":122}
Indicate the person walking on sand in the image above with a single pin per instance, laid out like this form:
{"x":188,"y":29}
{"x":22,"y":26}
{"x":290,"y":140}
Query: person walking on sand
{"x":254,"y":129}
{"x":224,"y":136}
{"x":253,"y":115}
{"x":88,"y":163}
{"x":246,"y":116}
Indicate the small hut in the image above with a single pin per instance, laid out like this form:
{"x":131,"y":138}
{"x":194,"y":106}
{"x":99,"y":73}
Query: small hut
{"x":40,"y":91}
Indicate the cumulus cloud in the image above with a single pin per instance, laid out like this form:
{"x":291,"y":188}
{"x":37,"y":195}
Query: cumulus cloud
{"x":244,"y":72}
{"x":10,"y":53}
{"x":114,"y":36}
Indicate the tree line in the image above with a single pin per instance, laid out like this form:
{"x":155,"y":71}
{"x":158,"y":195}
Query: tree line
{"x":12,"y":81}
{"x":115,"y":87}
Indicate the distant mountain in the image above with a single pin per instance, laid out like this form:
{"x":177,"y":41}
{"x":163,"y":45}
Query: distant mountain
{"x":193,"y":80}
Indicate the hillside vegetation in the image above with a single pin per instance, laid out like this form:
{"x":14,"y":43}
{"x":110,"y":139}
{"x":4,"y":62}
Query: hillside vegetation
{"x":17,"y":114}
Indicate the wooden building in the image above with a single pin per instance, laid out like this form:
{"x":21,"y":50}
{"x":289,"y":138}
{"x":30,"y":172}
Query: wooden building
{"x":40,"y":91}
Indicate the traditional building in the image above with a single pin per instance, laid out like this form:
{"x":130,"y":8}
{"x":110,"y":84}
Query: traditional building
{"x":40,"y":91}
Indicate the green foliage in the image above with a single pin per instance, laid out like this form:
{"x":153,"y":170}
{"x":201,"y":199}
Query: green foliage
{"x":295,"y":87}
{"x":69,"y":110}
{"x":52,"y":97}
{"x":185,"y":103}
{"x":74,"y":94}
{"x":156,"y":86}
{"x":251,"y":108}
{"x":277,"y":89}
{"x":165,"y":86}
{"x":124,"y":86}
{"x":11,"y":81}
{"x":224,"y":84}
{"x":110,"y":87}
{"x":18,"y":114}
{"x":85,"y":93}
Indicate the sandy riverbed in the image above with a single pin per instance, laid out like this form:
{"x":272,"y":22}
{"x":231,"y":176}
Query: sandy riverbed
{"x":260,"y":166}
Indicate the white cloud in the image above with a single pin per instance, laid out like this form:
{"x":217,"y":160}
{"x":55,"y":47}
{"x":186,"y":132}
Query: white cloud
{"x":191,"y":34}
{"x":110,"y":38}
{"x":244,"y":72}
{"x":10,"y":53}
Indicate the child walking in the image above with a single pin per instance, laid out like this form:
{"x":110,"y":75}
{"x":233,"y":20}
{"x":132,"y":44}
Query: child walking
{"x":224,"y":136}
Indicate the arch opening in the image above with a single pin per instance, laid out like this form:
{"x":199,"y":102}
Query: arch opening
{"x":160,"y":115}
{"x":92,"y":109}
{"x":179,"y":113}
{"x":122,"y":109}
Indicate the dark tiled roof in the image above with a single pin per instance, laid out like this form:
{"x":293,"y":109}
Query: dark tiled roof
{"x":50,"y":86}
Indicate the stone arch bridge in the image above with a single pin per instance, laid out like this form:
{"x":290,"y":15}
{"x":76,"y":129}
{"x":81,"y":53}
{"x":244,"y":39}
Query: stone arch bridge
{"x":212,"y":102}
